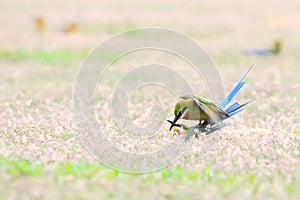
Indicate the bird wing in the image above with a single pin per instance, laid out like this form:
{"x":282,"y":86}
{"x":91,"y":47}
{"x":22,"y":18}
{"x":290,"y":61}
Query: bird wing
{"x":215,"y":113}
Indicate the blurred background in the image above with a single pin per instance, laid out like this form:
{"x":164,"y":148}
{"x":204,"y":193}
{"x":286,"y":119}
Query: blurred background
{"x":42,"y":45}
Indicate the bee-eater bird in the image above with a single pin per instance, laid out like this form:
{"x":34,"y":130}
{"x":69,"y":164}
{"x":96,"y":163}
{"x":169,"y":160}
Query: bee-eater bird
{"x":274,"y":50}
{"x":192,"y":107}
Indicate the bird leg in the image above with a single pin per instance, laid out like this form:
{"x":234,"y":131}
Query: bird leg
{"x":207,"y":126}
{"x":204,"y":123}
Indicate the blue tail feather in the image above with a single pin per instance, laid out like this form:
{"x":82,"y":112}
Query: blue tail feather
{"x":232,"y":108}
{"x":234,"y":91}
{"x":235,"y":108}
{"x":235,"y":112}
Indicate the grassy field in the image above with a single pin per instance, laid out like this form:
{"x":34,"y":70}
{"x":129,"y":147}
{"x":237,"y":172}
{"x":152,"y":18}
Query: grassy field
{"x":257,"y":156}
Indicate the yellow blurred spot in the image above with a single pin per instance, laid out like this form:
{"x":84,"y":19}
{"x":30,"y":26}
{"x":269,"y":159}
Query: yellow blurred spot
{"x":39,"y":24}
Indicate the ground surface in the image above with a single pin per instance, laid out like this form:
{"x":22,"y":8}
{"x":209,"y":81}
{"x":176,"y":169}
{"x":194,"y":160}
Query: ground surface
{"x":257,"y":155}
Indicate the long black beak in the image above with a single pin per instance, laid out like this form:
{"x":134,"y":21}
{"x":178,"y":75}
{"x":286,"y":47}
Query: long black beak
{"x":173,"y":123}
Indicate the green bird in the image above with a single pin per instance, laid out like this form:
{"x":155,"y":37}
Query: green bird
{"x":192,"y":107}
{"x":275,"y":49}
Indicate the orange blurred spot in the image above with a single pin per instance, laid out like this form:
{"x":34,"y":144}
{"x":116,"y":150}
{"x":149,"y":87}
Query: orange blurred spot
{"x":70,"y":28}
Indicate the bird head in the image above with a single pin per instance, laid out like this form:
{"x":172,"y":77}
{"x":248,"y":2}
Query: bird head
{"x":179,"y":110}
{"x":277,"y":47}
